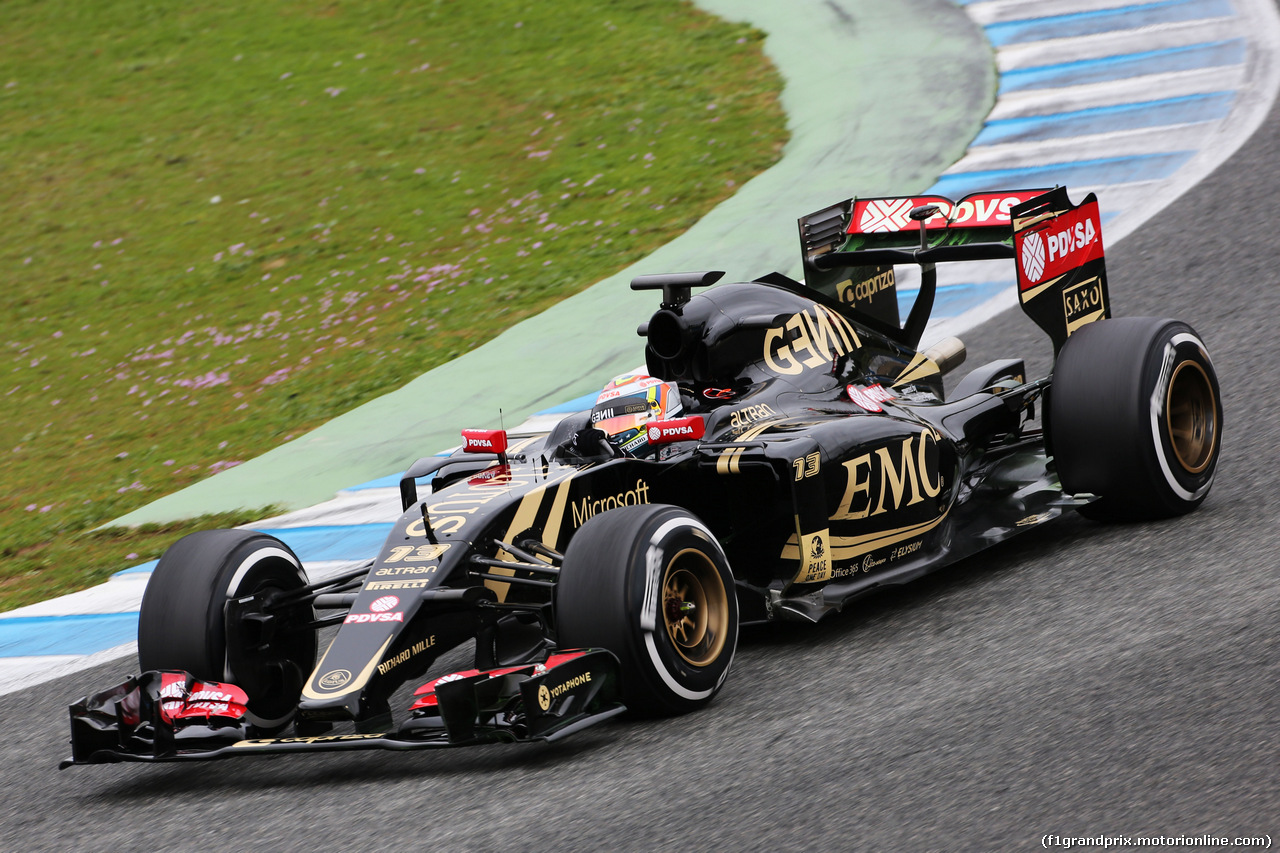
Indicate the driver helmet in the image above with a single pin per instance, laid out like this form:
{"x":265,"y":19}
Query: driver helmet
{"x":626,"y":406}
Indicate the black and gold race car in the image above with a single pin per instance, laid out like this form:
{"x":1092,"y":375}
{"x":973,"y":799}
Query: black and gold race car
{"x":787,"y":449}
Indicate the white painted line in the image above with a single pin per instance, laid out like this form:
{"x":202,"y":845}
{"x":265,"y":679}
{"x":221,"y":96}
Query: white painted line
{"x":1001,"y":11}
{"x":1162,"y":36}
{"x":1121,"y":143}
{"x":121,"y":594}
{"x":1134,"y":90}
{"x":21,"y":673}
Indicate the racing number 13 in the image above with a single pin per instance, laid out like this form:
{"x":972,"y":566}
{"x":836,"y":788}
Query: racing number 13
{"x":421,"y":553}
{"x":807,"y":466}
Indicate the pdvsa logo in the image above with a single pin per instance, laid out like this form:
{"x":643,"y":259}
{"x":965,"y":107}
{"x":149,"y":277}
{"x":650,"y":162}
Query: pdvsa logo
{"x":379,"y":612}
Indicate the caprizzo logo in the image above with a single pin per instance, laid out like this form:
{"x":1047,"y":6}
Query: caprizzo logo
{"x":1033,"y":256}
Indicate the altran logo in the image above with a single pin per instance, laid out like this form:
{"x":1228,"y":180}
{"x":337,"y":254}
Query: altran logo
{"x":382,"y":605}
{"x":1033,"y":256}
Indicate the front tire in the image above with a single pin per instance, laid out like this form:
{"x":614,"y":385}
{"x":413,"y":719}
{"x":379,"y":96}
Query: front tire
{"x":1135,"y":415}
{"x":652,"y":585}
{"x":183,"y":623}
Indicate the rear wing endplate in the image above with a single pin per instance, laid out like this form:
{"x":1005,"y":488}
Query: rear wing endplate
{"x":850,"y":249}
{"x":1062,"y":270}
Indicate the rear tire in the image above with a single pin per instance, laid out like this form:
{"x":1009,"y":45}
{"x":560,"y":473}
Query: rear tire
{"x":652,"y":585}
{"x":182,"y":624}
{"x":1135,"y":415}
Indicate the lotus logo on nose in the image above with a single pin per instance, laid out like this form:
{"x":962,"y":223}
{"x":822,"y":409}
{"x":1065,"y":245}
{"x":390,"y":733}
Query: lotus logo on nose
{"x":334,"y":679}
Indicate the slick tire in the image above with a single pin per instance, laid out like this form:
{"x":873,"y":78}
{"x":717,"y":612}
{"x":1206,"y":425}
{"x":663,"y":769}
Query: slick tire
{"x":183,"y":624}
{"x":652,"y":585}
{"x":1135,"y":416}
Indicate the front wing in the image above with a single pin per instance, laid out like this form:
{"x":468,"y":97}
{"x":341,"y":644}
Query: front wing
{"x":166,"y":716}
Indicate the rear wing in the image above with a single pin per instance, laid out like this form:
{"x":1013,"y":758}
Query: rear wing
{"x":1062,"y":270}
{"x":850,"y":249}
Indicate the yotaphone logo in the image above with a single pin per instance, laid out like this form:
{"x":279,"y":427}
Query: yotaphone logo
{"x":1033,"y":256}
{"x":546,"y":695}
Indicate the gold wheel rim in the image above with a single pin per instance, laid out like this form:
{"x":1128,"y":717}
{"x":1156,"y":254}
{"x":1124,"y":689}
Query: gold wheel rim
{"x":1191,"y":415}
{"x":695,"y":607}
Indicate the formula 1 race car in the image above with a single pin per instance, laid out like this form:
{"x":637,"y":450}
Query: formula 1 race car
{"x":787,"y":449}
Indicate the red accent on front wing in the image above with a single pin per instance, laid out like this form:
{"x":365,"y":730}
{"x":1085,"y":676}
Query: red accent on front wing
{"x":427,"y":692}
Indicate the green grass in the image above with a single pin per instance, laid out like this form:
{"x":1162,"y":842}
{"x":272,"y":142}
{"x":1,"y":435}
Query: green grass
{"x":224,"y":224}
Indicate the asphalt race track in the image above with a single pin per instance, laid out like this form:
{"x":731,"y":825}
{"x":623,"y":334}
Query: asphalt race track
{"x":1081,"y":681}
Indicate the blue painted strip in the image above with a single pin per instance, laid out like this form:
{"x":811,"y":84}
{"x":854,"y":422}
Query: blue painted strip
{"x":1205,"y":55}
{"x":389,"y":481}
{"x":1113,"y":170}
{"x":66,"y":635}
{"x":146,"y":568}
{"x":1106,"y":20}
{"x":952,"y":300}
{"x":1185,"y":110}
{"x":337,"y":542}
